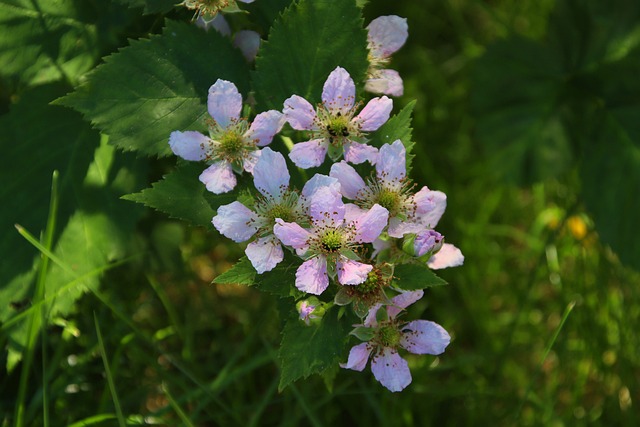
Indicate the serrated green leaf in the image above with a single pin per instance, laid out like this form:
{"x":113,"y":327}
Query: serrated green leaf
{"x":397,"y":127}
{"x":518,"y":83}
{"x":311,"y":38}
{"x":152,"y":6}
{"x":241,"y":273}
{"x":153,"y":87}
{"x":181,"y":195}
{"x":610,"y":173}
{"x":411,"y":277}
{"x":42,"y":40}
{"x":307,"y":350}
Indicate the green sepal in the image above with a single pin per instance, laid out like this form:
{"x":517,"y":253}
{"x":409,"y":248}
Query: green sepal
{"x":363,"y":333}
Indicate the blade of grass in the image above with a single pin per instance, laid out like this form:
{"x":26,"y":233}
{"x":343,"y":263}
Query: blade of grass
{"x":112,"y":386}
{"x":553,"y":339}
{"x":37,"y":317}
{"x":185,"y":420}
{"x":128,"y":322}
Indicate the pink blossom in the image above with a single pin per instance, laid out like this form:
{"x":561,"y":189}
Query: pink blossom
{"x":386,"y":34}
{"x":335,"y":128}
{"x":389,"y":334}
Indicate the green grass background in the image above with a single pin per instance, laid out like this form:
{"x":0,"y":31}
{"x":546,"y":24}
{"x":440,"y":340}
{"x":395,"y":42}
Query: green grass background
{"x":543,"y":317}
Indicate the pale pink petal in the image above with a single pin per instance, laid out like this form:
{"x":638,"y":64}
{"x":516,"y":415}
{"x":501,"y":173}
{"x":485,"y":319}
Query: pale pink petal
{"x":250,"y":160}
{"x":291,"y":234}
{"x":264,"y":253}
{"x":447,"y":256}
{"x":391,"y":370}
{"x":391,"y":166}
{"x":374,"y":114}
{"x":264,"y":127}
{"x":218,"y":177}
{"x":318,"y":181}
{"x":387,"y":34}
{"x":309,"y":154}
{"x":430,"y":205}
{"x":370,"y":321}
{"x":224,"y":102}
{"x":358,"y":357}
{"x":424,"y":337}
{"x":398,"y":228}
{"x":369,"y":226}
{"x":426,"y":241}
{"x":189,"y":145}
{"x":350,"y":182}
{"x":352,"y":272}
{"x":385,"y":82}
{"x":218,"y":23}
{"x":248,"y":42}
{"x":270,"y":174}
{"x":299,"y":113}
{"x":339,"y":91}
{"x":356,"y":153}
{"x":247,"y":1}
{"x":311,"y":276}
{"x":235,"y":221}
{"x":352,"y":212}
{"x":402,"y":301}
{"x":326,"y":207}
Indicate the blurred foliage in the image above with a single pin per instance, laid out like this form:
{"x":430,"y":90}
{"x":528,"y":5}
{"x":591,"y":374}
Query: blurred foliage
{"x":542,"y":92}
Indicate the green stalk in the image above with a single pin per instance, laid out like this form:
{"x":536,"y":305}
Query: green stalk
{"x":37,"y":317}
{"x":112,"y":386}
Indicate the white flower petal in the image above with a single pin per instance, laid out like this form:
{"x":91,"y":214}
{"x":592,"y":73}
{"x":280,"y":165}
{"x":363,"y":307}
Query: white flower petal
{"x":339,"y":91}
{"x":387,"y":34}
{"x":309,"y":154}
{"x":299,"y":113}
{"x":218,"y":177}
{"x":385,"y":82}
{"x":264,"y":253}
{"x":424,"y":337}
{"x":235,"y":221}
{"x":402,"y":301}
{"x":352,"y":272}
{"x":270,"y":174}
{"x":224,"y":102}
{"x":189,"y":145}
{"x":358,"y":357}
{"x":356,"y":153}
{"x":318,"y":181}
{"x":374,"y":114}
{"x":311,"y":276}
{"x":391,"y":370}
{"x":291,"y":234}
{"x":391,"y":166}
{"x":248,"y":42}
{"x":264,"y":127}
{"x":369,"y":226}
{"x":350,"y":182}
{"x":447,"y":256}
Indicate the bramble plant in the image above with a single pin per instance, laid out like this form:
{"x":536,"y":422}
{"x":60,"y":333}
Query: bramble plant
{"x":343,"y":253}
{"x":280,"y":145}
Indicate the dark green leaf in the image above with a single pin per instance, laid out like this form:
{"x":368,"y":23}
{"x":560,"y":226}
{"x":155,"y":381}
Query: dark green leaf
{"x":518,"y":87}
{"x":307,"y":350}
{"x":181,"y":195}
{"x":152,"y":6}
{"x":610,"y":173}
{"x":153,"y":87}
{"x":411,"y":277}
{"x":397,"y":127}
{"x":242,"y":273}
{"x":281,"y":280}
{"x":43,"y":40}
{"x":311,"y":38}
{"x":37,"y":139}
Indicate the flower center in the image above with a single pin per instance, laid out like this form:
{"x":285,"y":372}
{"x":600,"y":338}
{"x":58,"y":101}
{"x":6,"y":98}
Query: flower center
{"x":390,"y":200}
{"x":389,"y":336}
{"x":231,"y":143}
{"x":338,"y":128}
{"x":283,"y":212}
{"x":332,"y":241}
{"x":207,"y":8}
